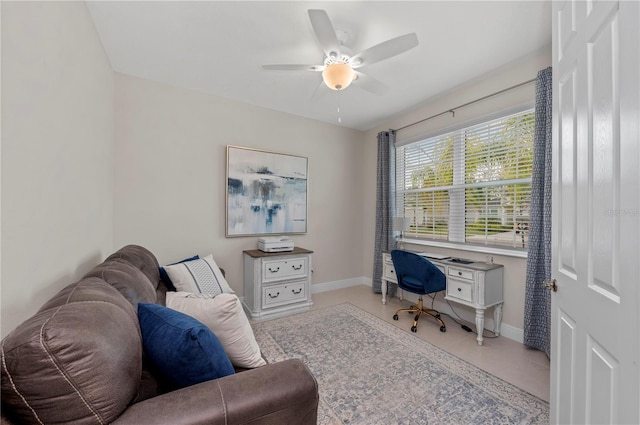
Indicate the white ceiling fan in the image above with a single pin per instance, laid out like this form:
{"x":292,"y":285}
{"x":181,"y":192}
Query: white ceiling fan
{"x":341,"y":66}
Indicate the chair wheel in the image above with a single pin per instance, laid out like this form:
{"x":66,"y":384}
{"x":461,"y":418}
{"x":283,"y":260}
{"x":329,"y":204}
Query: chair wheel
{"x":414,"y":329}
{"x":443,"y":329}
{"x":395,"y":317}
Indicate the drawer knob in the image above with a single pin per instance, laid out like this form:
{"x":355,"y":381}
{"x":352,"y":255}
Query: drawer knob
{"x":274,"y":296}
{"x":296,"y":268}
{"x":296,"y":293}
{"x":459,"y":273}
{"x":459,"y":289}
{"x":274,"y":270}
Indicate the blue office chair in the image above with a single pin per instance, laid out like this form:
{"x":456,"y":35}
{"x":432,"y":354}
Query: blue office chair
{"x":420,"y":276}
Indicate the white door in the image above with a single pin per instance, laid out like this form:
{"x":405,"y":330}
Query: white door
{"x":595,"y":355}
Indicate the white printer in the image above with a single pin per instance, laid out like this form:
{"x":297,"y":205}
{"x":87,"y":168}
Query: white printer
{"x":275,"y":244}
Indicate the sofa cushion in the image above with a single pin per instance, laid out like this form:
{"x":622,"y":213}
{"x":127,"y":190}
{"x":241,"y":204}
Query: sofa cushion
{"x":164,"y":277}
{"x":142,"y":259}
{"x":222,"y":314}
{"x":199,"y":276}
{"x":183,"y":350}
{"x":77,"y":361}
{"x":126,"y":278}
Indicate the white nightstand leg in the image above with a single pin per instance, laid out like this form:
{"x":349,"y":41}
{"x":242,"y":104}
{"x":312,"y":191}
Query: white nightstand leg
{"x":497,"y":318}
{"x":479,"y":324}
{"x":384,"y":291}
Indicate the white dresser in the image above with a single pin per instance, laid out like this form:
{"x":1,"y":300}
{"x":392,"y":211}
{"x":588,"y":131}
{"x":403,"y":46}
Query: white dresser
{"x":477,"y":285}
{"x":276,"y":284}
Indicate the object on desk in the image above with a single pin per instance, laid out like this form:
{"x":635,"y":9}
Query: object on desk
{"x":461,"y":261}
{"x":275,"y":244}
{"x":400,"y":226}
{"x":434,"y":256}
{"x":417,"y":274}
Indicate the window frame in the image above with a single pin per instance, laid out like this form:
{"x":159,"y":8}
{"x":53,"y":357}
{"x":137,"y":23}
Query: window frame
{"x":448,"y":243}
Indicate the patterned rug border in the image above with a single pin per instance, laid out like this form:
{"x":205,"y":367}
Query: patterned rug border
{"x":498,"y":387}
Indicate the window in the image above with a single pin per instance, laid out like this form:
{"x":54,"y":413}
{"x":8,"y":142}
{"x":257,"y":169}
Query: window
{"x":469,"y":186}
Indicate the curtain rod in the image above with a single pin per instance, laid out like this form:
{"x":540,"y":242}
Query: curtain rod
{"x":452,"y":110}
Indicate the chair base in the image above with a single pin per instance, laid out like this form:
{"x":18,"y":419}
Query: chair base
{"x":420,"y":310}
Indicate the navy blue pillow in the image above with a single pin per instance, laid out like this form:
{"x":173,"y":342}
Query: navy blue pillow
{"x":183,"y":350}
{"x":165,"y":277}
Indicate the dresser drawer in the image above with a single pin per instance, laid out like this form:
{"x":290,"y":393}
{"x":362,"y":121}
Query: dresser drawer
{"x":461,"y":273}
{"x":286,"y":268}
{"x":460,"y":289}
{"x":274,"y":295}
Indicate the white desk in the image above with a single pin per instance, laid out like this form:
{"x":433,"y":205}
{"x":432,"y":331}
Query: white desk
{"x":477,"y":285}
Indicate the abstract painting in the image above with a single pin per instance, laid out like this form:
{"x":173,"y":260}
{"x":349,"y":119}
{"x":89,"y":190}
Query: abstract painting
{"x":266,"y":192}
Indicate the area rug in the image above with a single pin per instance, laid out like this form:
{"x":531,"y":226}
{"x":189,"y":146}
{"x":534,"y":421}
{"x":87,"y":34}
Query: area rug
{"x":370,"y":372}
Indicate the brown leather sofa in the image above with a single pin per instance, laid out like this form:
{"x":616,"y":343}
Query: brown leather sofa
{"x":79,"y":360}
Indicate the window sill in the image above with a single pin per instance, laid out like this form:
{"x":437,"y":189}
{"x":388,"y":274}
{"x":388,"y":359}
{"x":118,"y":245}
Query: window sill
{"x":473,"y":248}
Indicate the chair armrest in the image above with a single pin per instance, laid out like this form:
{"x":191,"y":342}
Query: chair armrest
{"x":280,"y":393}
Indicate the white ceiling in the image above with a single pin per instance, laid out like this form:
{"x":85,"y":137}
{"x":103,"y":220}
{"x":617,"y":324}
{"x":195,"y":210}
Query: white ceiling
{"x":218,"y":48}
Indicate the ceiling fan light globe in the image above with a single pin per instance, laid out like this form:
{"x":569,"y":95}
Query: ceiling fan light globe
{"x":338,"y":76}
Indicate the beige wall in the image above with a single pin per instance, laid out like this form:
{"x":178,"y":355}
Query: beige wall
{"x":170,"y":161}
{"x":92,"y":161}
{"x":57,"y":152}
{"x":515,"y":73}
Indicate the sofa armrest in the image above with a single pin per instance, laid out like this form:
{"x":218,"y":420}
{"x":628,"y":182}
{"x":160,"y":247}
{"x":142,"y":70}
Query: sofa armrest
{"x":280,"y":393}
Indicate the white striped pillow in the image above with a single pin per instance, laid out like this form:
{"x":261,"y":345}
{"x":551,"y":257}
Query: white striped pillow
{"x":199,"y":277}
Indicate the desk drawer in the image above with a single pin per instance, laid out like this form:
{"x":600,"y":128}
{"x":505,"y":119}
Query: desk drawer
{"x":461,"y":273}
{"x":289,"y":268}
{"x":389,"y":272}
{"x":283,"y":294}
{"x":460,"y":289}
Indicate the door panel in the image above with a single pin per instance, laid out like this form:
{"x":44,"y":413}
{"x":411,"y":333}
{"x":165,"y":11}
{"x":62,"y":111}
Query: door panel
{"x":566,"y":26}
{"x":568,"y":187}
{"x":566,"y":353}
{"x":604,"y":182}
{"x":602,"y":384}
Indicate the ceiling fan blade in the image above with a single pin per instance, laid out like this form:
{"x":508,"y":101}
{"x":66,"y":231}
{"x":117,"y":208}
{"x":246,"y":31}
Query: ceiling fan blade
{"x":324,"y":30}
{"x":293,"y":67}
{"x":386,"y":50}
{"x":370,"y":84}
{"x":320,"y":91}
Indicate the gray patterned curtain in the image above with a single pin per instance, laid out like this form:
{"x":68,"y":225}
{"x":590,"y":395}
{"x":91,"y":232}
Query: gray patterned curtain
{"x":537,"y":309}
{"x":384,"y":206}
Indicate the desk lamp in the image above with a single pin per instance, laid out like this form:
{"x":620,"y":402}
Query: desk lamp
{"x":400,"y":225}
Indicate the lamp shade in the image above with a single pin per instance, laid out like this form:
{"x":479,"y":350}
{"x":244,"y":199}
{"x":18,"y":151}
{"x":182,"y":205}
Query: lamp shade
{"x":338,"y":76}
{"x":401,"y":224}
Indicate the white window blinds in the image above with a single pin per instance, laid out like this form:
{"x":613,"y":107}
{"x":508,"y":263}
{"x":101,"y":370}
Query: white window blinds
{"x":469,"y":186}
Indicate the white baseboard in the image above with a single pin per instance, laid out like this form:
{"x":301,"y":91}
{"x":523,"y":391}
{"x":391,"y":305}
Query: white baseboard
{"x":339,"y":284}
{"x":466,"y":314}
{"x":512,"y":332}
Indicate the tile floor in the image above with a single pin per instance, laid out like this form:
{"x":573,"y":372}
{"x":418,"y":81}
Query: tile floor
{"x":523,"y":367}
